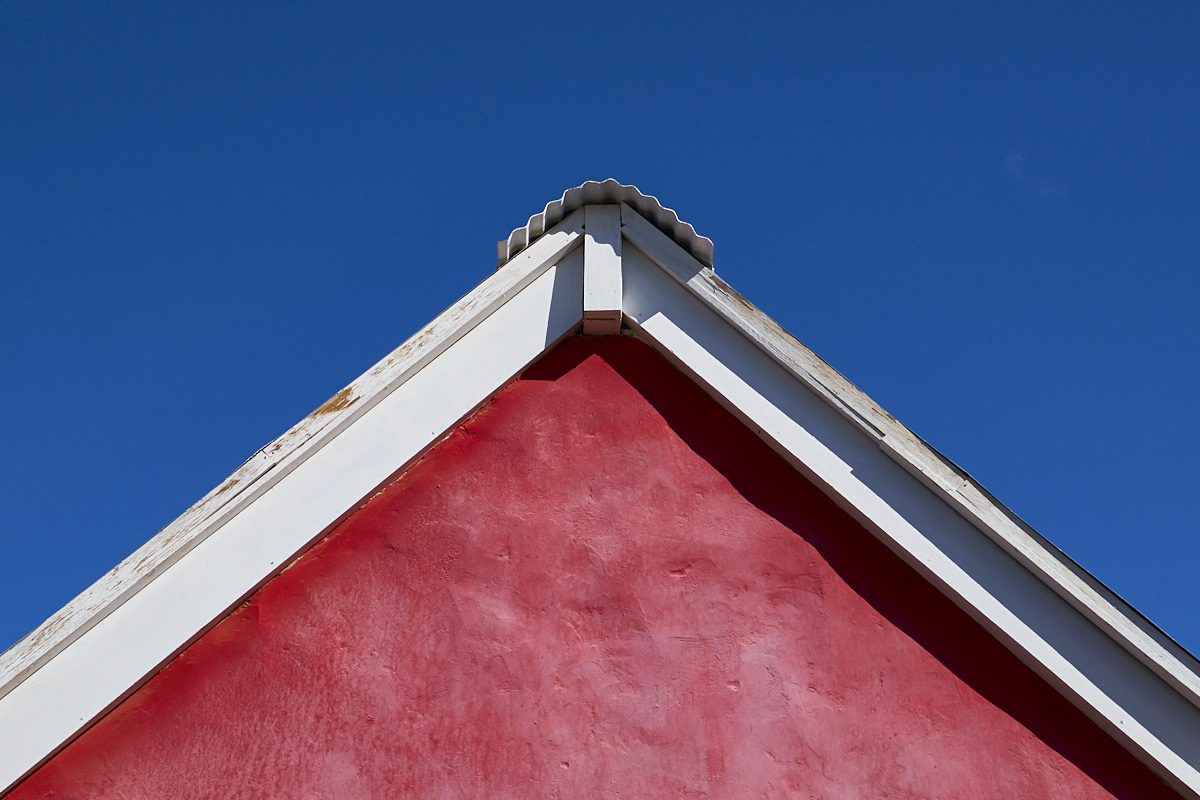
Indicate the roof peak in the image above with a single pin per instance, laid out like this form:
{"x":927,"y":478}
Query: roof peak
{"x":600,"y":193}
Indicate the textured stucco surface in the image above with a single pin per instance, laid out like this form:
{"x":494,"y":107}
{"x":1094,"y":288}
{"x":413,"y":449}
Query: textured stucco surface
{"x":602,"y":585}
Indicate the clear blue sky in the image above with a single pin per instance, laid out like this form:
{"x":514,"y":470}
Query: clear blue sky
{"x":215,"y":215}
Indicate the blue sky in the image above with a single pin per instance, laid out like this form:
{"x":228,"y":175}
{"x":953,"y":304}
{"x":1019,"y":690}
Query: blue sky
{"x":215,"y":215}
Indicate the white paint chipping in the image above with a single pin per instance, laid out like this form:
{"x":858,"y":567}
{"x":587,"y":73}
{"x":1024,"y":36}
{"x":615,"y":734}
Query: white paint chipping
{"x":109,"y":654}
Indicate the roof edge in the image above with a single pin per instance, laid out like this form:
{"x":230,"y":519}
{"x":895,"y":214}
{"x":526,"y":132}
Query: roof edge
{"x":275,"y":460}
{"x":1131,"y":629}
{"x":600,"y":193}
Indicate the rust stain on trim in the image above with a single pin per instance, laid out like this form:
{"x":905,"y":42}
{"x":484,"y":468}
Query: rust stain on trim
{"x":226,"y":486}
{"x":343,"y":399}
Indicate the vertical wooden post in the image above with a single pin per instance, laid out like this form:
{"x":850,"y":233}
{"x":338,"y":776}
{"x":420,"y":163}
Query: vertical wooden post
{"x":602,"y":270}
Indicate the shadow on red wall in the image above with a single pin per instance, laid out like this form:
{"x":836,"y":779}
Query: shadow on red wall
{"x":880,"y":577}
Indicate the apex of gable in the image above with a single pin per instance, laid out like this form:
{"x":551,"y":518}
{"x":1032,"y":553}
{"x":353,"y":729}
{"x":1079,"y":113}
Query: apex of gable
{"x":609,"y":191}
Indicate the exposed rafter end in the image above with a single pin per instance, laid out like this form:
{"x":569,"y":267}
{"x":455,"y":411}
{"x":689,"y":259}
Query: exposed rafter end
{"x":601,"y":323}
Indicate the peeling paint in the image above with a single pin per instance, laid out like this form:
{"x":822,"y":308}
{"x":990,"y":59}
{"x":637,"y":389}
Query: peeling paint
{"x":342,"y":400}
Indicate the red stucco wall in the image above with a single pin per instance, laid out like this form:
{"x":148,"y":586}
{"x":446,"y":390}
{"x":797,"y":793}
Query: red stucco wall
{"x":601,"y":586}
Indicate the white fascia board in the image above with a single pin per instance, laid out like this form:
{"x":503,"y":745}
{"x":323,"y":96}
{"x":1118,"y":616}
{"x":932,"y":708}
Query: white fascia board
{"x":105,"y":644}
{"x":686,"y":312}
{"x":1091,"y":597}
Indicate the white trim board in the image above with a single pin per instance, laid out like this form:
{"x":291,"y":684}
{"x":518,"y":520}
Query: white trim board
{"x":120,"y":631}
{"x":610,"y":261}
{"x":273,"y":462}
{"x":1047,"y":633}
{"x":1137,"y":634}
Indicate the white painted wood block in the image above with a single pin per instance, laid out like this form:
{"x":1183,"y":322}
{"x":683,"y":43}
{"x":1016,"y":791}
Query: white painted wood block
{"x":602,"y":270}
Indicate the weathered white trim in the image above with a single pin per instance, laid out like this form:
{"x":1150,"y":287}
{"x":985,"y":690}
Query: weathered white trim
{"x":1137,"y":634}
{"x":602,"y":270}
{"x":705,"y":329}
{"x":119,"y":632}
{"x":274,"y":461}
